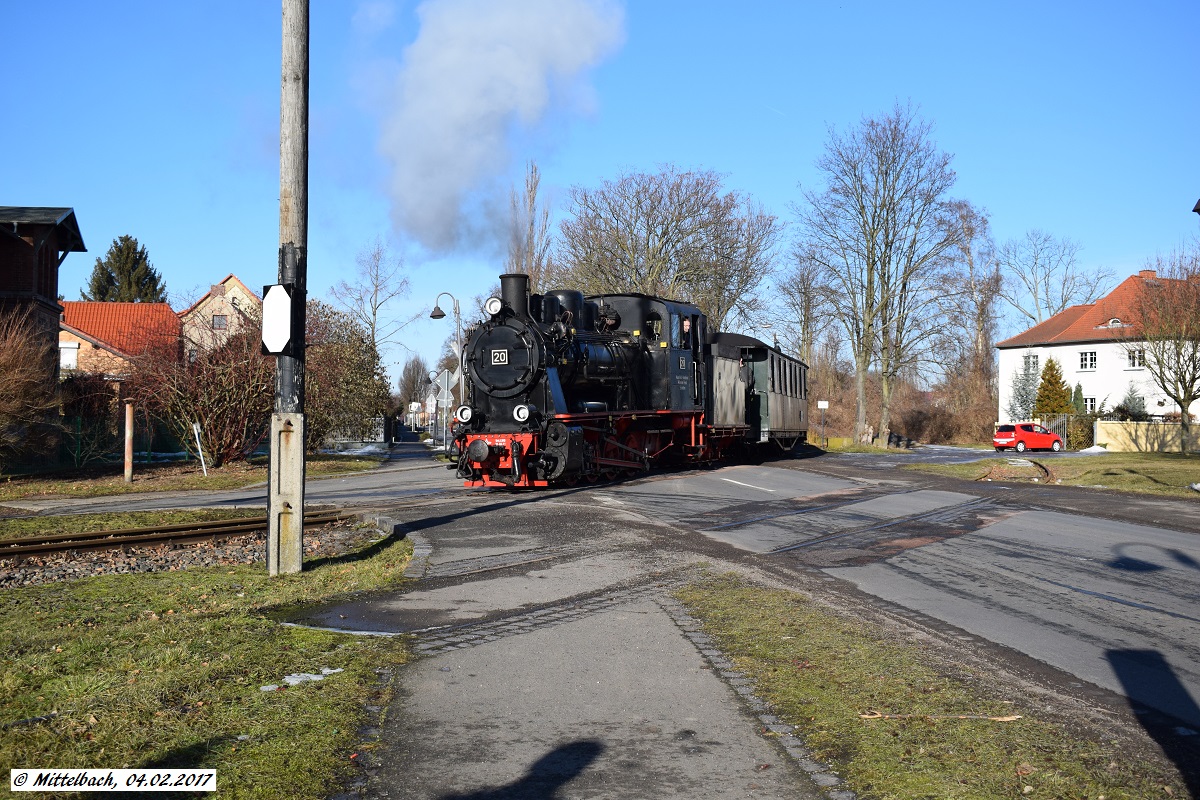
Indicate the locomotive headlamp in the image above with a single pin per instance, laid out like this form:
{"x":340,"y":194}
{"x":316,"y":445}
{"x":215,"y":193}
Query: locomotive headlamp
{"x":493,"y":305}
{"x":463,"y":414}
{"x":523,"y":412}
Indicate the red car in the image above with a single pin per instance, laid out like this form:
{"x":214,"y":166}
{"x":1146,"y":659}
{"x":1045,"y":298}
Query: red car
{"x":1026,"y":436}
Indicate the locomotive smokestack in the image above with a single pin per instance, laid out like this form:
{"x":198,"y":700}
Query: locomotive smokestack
{"x":514,"y":291}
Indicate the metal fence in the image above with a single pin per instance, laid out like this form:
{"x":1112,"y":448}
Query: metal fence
{"x":1078,"y":431}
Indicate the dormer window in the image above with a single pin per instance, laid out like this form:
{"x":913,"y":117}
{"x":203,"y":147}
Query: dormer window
{"x":1114,"y":323}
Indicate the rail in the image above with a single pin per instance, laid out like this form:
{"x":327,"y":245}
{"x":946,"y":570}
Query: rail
{"x":165,"y":534}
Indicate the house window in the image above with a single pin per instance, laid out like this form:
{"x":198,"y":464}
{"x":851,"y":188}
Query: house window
{"x":192,"y":355}
{"x":220,"y":322}
{"x":1087,"y":359}
{"x":1089,"y":405}
{"x":1137,"y":358}
{"x":1031,"y":363}
{"x":68,"y":356}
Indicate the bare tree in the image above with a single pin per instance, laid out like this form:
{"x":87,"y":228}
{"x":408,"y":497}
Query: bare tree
{"x":1041,"y":276}
{"x":346,"y":390}
{"x":1165,"y":335}
{"x":672,"y":234}
{"x":807,"y":309}
{"x":967,"y":347}
{"x":413,"y":379}
{"x":28,"y":400}
{"x":880,"y":232}
{"x":529,"y":233}
{"x":972,"y":292}
{"x":228,"y":388}
{"x":381,"y":280}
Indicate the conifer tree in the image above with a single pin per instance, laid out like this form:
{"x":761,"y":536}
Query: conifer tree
{"x":1053,"y":394}
{"x":125,"y":275}
{"x":1024,"y":392}
{"x":1077,"y":399}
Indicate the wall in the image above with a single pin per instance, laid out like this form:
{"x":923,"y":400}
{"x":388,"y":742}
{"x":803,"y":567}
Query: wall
{"x":93,"y":358}
{"x":1144,"y":437}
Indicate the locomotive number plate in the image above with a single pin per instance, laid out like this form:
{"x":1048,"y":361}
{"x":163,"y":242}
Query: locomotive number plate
{"x":499,"y":356}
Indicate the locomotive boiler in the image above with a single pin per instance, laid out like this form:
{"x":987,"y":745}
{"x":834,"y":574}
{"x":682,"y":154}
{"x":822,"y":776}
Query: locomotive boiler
{"x":559,"y":387}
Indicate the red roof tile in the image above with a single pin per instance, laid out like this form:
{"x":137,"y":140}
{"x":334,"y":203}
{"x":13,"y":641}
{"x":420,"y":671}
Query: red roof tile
{"x":129,"y":328}
{"x":1089,"y":323}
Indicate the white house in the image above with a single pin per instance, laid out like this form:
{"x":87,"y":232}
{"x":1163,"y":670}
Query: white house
{"x":1093,"y":345}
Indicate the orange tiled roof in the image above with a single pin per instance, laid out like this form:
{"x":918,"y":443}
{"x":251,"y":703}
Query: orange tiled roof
{"x":1089,"y":323}
{"x":129,"y":328}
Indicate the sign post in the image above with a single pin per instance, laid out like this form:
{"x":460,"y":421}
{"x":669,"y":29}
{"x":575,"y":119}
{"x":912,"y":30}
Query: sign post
{"x":445,"y":382}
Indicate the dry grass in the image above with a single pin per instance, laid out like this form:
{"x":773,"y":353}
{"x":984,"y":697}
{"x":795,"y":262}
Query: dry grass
{"x":173,"y":477}
{"x":166,"y":670}
{"x":1166,"y":474}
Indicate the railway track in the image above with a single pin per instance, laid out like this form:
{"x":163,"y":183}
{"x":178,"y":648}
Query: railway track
{"x":18,"y":549}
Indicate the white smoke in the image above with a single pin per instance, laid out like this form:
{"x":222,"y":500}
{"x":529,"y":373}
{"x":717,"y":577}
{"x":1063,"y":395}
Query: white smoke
{"x":478,"y":72}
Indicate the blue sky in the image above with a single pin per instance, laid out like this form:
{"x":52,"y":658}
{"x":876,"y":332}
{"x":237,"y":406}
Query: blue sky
{"x":160,"y":120}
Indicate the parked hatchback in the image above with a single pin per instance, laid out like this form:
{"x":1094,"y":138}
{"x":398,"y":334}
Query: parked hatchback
{"x":1026,"y":436}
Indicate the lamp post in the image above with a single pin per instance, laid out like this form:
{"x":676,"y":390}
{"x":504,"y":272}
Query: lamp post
{"x":437,"y":313}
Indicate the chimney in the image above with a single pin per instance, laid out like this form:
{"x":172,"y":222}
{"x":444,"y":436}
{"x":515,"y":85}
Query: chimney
{"x":1147,"y":273}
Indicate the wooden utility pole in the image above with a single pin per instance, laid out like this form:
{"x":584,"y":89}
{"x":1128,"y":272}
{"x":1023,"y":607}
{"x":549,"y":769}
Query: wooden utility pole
{"x":285,"y":500}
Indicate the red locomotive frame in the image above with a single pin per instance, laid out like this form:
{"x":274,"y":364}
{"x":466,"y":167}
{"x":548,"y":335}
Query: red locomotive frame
{"x":628,"y":442}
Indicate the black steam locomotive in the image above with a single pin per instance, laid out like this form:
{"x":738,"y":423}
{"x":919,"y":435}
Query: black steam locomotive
{"x":559,"y":387}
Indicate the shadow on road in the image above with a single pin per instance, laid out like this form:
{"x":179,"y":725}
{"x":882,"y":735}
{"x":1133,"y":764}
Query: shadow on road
{"x":1163,"y":707}
{"x":545,"y":777}
{"x":1124,"y":561}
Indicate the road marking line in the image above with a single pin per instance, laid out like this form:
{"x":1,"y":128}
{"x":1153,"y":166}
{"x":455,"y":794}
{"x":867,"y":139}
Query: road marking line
{"x":748,"y":486}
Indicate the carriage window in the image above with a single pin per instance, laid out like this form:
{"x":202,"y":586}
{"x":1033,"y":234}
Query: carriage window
{"x":771,"y":366}
{"x":654,"y":326}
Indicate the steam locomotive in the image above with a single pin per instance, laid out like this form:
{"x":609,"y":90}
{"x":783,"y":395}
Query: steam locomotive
{"x":559,"y":388}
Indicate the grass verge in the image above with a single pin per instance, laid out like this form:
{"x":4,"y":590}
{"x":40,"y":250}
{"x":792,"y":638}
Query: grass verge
{"x":1166,"y":474}
{"x":820,"y":672}
{"x":174,"y":477}
{"x":165,"y":669}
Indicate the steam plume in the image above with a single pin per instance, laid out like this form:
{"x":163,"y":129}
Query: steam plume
{"x":477,"y":71}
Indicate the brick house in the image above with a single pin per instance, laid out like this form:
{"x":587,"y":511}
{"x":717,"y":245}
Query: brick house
{"x":227,"y":306}
{"x":104,"y":338}
{"x":1095,"y":344}
{"x":33,"y":244}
